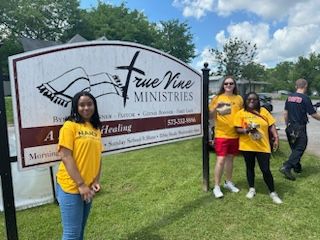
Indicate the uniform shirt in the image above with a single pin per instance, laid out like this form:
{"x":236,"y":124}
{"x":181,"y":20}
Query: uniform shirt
{"x":298,"y":106}
{"x":224,"y":124}
{"x":85,"y":143}
{"x":246,"y":142}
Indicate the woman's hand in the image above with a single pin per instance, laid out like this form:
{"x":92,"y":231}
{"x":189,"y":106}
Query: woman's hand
{"x":96,"y":186}
{"x":241,"y":130}
{"x":275,"y":144}
{"x":86,"y":193}
{"x":220,"y":104}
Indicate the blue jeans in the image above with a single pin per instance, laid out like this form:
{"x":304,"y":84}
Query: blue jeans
{"x":74,"y":214}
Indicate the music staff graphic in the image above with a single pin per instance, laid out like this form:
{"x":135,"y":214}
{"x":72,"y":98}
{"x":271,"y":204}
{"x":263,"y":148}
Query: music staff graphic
{"x":61,"y":89}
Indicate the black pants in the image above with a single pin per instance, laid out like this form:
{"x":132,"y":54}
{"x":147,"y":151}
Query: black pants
{"x":297,"y":148}
{"x":264,"y":164}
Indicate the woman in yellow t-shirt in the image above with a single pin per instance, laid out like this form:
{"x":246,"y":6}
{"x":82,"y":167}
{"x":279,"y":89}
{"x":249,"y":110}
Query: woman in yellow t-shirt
{"x":223,"y":108}
{"x":78,"y":175}
{"x":253,"y":123}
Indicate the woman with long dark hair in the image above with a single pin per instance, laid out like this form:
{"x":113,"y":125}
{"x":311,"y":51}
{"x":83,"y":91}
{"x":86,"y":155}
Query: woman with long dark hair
{"x":78,"y":175}
{"x":253,"y":123}
{"x":223,"y":108}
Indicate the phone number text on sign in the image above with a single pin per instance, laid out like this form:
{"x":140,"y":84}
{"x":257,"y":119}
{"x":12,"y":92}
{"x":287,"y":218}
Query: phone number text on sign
{"x":181,"y":121}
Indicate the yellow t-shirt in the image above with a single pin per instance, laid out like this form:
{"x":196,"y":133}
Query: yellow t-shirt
{"x":224,"y":124}
{"x":246,"y":142}
{"x":85,"y":143}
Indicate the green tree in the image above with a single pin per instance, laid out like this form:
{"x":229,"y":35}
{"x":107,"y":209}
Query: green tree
{"x":281,"y":77}
{"x":61,"y":20}
{"x":8,"y":48}
{"x":39,"y":19}
{"x":316,"y":83}
{"x":115,"y":23}
{"x":236,"y":54}
{"x":254,"y":72}
{"x":175,"y":38}
{"x":309,"y":68}
{"x":121,"y":23}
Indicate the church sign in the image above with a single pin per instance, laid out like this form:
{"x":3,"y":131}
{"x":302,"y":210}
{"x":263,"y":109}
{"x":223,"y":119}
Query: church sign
{"x":145,"y":97}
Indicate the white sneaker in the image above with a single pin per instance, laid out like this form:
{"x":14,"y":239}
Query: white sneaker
{"x":251,"y":193}
{"x":275,"y":198}
{"x":217,"y":192}
{"x":230,"y":186}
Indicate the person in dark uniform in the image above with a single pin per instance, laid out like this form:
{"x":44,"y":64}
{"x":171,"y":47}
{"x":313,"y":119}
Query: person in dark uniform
{"x":297,"y":107}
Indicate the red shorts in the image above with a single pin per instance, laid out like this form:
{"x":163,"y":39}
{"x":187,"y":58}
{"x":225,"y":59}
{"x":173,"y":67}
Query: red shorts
{"x":226,"y":146}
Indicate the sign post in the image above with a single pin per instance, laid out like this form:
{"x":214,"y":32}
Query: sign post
{"x":5,"y":172}
{"x":205,"y":149}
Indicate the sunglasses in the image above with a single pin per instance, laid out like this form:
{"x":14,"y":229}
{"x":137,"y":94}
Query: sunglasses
{"x":228,"y":83}
{"x":252,"y":99}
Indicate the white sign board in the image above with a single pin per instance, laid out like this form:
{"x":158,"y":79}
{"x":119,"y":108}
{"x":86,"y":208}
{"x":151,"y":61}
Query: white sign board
{"x":145,"y":97}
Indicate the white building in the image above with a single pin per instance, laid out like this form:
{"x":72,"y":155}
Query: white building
{"x":244,"y":86}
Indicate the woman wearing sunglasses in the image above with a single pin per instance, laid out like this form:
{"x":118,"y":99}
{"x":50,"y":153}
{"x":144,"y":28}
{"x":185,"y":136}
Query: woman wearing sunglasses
{"x":223,"y":108}
{"x":253,"y":123}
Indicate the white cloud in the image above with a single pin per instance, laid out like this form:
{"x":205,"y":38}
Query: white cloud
{"x":221,"y":39}
{"x":305,"y":13}
{"x":290,"y":42}
{"x":194,"y":8}
{"x":297,"y":34}
{"x":294,"y":40}
{"x":255,"y":33}
{"x":299,"y":37}
{"x":269,"y":9}
{"x":285,"y":44}
{"x":205,"y":56}
{"x":315,"y":47}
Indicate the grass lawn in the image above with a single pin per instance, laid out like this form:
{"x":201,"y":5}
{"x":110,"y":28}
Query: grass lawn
{"x":156,"y":194}
{"x":9,"y":111}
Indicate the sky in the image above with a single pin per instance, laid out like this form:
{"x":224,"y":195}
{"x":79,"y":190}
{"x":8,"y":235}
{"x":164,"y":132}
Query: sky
{"x":282,"y":29}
